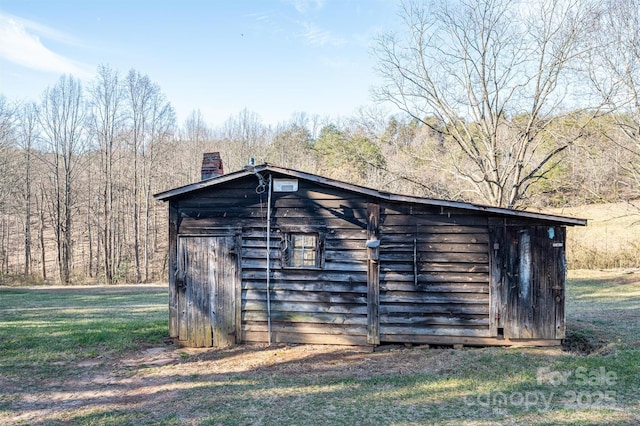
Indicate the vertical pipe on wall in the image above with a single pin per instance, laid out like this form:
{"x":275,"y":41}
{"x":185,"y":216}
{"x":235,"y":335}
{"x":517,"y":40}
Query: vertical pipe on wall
{"x":415,"y":262}
{"x":269,"y":260}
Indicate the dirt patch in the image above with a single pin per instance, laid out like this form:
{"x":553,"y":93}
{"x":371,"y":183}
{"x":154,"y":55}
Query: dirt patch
{"x":152,"y":378}
{"x":311,"y":360}
{"x":582,"y":342}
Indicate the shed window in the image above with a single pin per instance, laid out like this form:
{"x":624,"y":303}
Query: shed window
{"x":302,"y":250}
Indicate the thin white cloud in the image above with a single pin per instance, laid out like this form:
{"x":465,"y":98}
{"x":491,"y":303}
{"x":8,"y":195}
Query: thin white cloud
{"x":304,"y":6}
{"x":319,"y":37}
{"x":268,"y":20}
{"x":20,"y":43}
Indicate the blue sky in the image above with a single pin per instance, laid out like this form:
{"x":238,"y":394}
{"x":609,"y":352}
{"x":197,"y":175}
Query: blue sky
{"x":273,"y":57}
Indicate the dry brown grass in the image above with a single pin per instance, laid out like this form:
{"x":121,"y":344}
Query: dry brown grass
{"x":610,"y":240}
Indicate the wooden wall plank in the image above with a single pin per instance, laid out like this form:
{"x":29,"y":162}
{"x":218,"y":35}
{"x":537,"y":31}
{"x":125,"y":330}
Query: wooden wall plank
{"x":444,"y":330}
{"x":318,"y":297}
{"x":258,"y":305}
{"x":222,"y":275}
{"x":467,"y":341}
{"x":559,"y":285}
{"x":428,"y":278}
{"x":315,"y":339}
{"x":311,"y":285}
{"x":307,"y":317}
{"x":237,"y":256}
{"x":445,"y":287}
{"x":438,"y":228}
{"x":431,"y":221}
{"x":427,"y":297}
{"x":525,"y":328}
{"x":497,"y":264}
{"x":296,"y":275}
{"x":389,"y":257}
{"x":373,"y":274}
{"x":452,"y":309}
{"x":306,"y":328}
{"x":175,"y":281}
{"x":421,"y":320}
{"x":510,"y":290}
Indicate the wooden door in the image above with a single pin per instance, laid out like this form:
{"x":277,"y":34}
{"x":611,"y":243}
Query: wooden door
{"x":534,"y":280}
{"x":207,"y":301}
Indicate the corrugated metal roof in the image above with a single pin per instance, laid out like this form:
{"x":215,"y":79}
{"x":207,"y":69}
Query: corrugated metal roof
{"x":497,"y":211}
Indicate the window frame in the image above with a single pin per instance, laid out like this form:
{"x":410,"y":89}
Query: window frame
{"x":287,"y":248}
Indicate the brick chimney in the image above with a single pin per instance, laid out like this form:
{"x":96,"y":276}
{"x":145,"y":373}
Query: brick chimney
{"x":211,"y":165}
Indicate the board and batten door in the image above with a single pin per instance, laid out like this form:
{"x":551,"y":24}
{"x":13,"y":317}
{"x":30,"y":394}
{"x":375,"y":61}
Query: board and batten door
{"x":207,"y":299}
{"x":534,"y":283}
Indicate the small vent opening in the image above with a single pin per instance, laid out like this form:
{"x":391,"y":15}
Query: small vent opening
{"x":285,"y":185}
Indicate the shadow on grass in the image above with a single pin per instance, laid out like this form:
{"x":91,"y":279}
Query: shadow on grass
{"x":256,"y":384}
{"x":490,"y":385}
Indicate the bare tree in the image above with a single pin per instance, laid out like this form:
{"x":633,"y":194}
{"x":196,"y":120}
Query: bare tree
{"x":63,"y":119}
{"x":139,"y":88}
{"x":8,"y":180}
{"x":28,"y":133}
{"x":107,"y":120}
{"x":196,"y":129}
{"x":491,"y":77}
{"x":7,"y":142}
{"x":246,"y":137}
{"x":162,"y":128}
{"x":196,"y":139}
{"x":150,"y":118}
{"x":615,"y":68}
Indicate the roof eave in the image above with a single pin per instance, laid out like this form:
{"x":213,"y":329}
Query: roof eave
{"x":250,"y":170}
{"x":166,"y":195}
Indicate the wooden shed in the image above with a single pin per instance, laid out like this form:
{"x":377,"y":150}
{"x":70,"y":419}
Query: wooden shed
{"x":268,"y":254}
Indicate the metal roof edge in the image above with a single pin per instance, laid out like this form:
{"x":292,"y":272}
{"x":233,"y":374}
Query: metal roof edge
{"x":164,"y":196}
{"x":430,"y":201}
{"x":490,"y":209}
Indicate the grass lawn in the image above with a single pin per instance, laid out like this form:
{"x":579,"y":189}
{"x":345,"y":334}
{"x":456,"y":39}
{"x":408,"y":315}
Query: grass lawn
{"x":96,"y":355}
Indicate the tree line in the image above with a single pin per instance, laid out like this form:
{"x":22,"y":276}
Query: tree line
{"x":496,"y":103}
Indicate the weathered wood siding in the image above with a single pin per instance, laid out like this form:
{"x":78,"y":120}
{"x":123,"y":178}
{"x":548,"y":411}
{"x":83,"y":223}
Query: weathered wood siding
{"x":439,"y":274}
{"x":173,"y":270}
{"x":206,"y":297}
{"x":434,"y":274}
{"x":326,"y":305}
{"x":533,"y":283}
